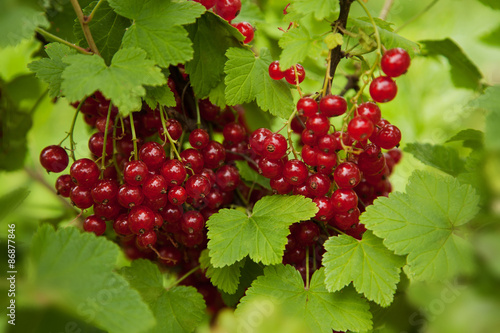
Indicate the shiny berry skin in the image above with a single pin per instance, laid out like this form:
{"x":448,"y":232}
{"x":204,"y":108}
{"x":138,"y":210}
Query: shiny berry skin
{"x":208,"y":111}
{"x":64,"y":184}
{"x":234,"y":133}
{"x":383,"y":89}
{"x":318,"y":184}
{"x":298,"y":124}
{"x":213,"y":154}
{"x":347,"y":175}
{"x":135,"y":173}
{"x":84,"y":172}
{"x":275,"y":72}
{"x":81,"y":197}
{"x":169,"y":256}
{"x":319,"y":124}
{"x":227,"y":178}
{"x":191,"y":240}
{"x":104,"y":191}
{"x":308,"y":137}
{"x":141,"y":219}
{"x":280,"y":185}
{"x":177,"y":195}
{"x":96,"y":144}
{"x":395,"y":62}
{"x":302,"y":190}
{"x":120,"y":225}
{"x":228,"y":9}
{"x":192,"y":159}
{"x":290,"y":74}
{"x":328,"y":143}
{"x":54,"y":158}
{"x":172,"y":215}
{"x":369,"y":110}
{"x":174,"y":172}
{"x":325,"y":208}
{"x":257,"y":138}
{"x":214,"y":199}
{"x":344,"y":221}
{"x":388,"y":137}
{"x":153,"y":155}
{"x":307,"y":233}
{"x":295,"y":172}
{"x":360,"y":128}
{"x":307,"y":106}
{"x":396,"y":155}
{"x":207,"y":3}
{"x":130,"y":196}
{"x":326,"y":162}
{"x":275,"y":146}
{"x":146,"y":239}
{"x":192,"y":222}
{"x":199,"y":138}
{"x":197,"y":186}
{"x":154,"y":187}
{"x":246,"y":30}
{"x":309,"y":155}
{"x":270,"y":168}
{"x":109,"y":211}
{"x":94,"y":224}
{"x":333,"y":105}
{"x":344,"y":200}
{"x":174,"y":129}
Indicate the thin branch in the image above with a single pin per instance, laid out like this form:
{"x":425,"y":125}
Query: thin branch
{"x":91,"y":16}
{"x":55,"y":38}
{"x":385,"y":10}
{"x":417,"y":16}
{"x":84,"y":23}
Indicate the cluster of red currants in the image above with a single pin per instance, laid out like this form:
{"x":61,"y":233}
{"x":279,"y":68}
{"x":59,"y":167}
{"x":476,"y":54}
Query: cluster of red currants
{"x":228,"y":10}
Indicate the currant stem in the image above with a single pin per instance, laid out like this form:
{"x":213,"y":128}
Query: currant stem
{"x":72,"y":129}
{"x":115,"y":163}
{"x":337,"y":230}
{"x":55,"y":38}
{"x":289,"y":131}
{"x":172,"y":141}
{"x":85,"y":26}
{"x":307,"y":268}
{"x":134,"y":137}
{"x":103,"y":161}
{"x":375,"y":28}
{"x":417,"y":16}
{"x":184,"y":276}
{"x":91,"y":16}
{"x":386,"y":9}
{"x":198,"y":117}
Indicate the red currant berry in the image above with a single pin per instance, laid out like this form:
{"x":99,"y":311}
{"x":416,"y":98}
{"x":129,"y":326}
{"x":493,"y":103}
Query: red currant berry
{"x":174,"y":172}
{"x":328,"y":143}
{"x":318,"y":184}
{"x":360,"y":128}
{"x":295,"y":172}
{"x":214,"y":155}
{"x":153,"y":155}
{"x":275,"y":146}
{"x":64,"y":184}
{"x":395,"y":62}
{"x":383,"y":89}
{"x":95,"y":225}
{"x":214,"y":199}
{"x":309,"y":155}
{"x":369,"y":110}
{"x":280,"y":185}
{"x":109,"y":211}
{"x":54,"y":158}
{"x":325,"y":208}
{"x":192,"y":222}
{"x":291,"y":74}
{"x":192,"y":159}
{"x":257,"y":139}
{"x":135,"y":173}
{"x":307,"y":106}
{"x":146,"y":239}
{"x":228,"y":9}
{"x":347,"y":175}
{"x":333,"y":105}
{"x":104,"y":191}
{"x":270,"y":168}
{"x":308,"y":137}
{"x":154,"y":187}
{"x":326,"y":162}
{"x":396,"y":155}
{"x":96,"y":144}
{"x":81,"y":197}
{"x":141,"y":219}
{"x":344,"y":200}
{"x":275,"y":72}
{"x":307,"y":233}
{"x":169,"y":255}
{"x":388,"y":137}
{"x":174,"y":129}
{"x":130,"y":196}
{"x":177,"y":195}
{"x":208,"y":111}
{"x":319,"y":124}
{"x":246,"y":30}
{"x":120,"y":225}
{"x":298,"y":124}
{"x":234,"y":133}
{"x":227,"y":178}
{"x":197,"y":186}
{"x":208,"y":4}
{"x":199,"y":138}
{"x":84,"y":172}
{"x":344,"y":221}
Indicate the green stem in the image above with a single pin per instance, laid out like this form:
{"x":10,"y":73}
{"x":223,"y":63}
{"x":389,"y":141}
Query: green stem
{"x":289,"y":131}
{"x":184,"y":276}
{"x":62,"y":41}
{"x":72,"y":129}
{"x":385,"y":10}
{"x":85,"y":26}
{"x":172,"y":141}
{"x":91,"y":16}
{"x":115,"y":163}
{"x":38,"y":101}
{"x":375,"y":28}
{"x":134,"y":137}
{"x":417,"y":16}
{"x":103,"y":161}
{"x":307,"y":268}
{"x":198,"y":117}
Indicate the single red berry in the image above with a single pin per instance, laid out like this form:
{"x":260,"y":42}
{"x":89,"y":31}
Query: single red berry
{"x":153,"y":155}
{"x":360,"y":128}
{"x":328,"y":143}
{"x":396,"y":155}
{"x":307,"y":233}
{"x":197,"y":186}
{"x":192,"y":222}
{"x":227,"y":178}
{"x":177,"y":195}
{"x":94,"y":224}
{"x":309,"y":155}
{"x":270,"y":168}
{"x":109,"y":211}
{"x":170,"y":255}
{"x":130,"y":196}
{"x":325,"y":208}
{"x":154,"y":187}
{"x":207,"y":3}
{"x":213,"y":154}
{"x":64,"y":184}
{"x":135,"y":173}
{"x":234,"y":133}
{"x":347,"y":175}
{"x":192,"y":159}
{"x":257,"y":138}
{"x":298,"y":124}
{"x":344,"y":200}
{"x":326,"y":162}
{"x":344,"y":221}
{"x":84,"y":172}
{"x":228,"y":9}
{"x":81,"y":197}
{"x":174,"y":172}
{"x":388,"y":137}
{"x":208,"y":111}
{"x":120,"y":225}
{"x":146,"y":239}
{"x":318,"y":184}
{"x":96,"y":144}
{"x":319,"y":124}
{"x":191,"y":240}
{"x":141,"y":219}
{"x":295,"y":73}
{"x":199,"y":138}
{"x":214,"y":199}
{"x":104,"y":191}
{"x":275,"y":146}
{"x":302,"y":190}
{"x":246,"y":30}
{"x":54,"y":158}
{"x":174,"y":129}
{"x":280,"y":185}
{"x":333,"y":105}
{"x":395,"y":62}
{"x":295,"y":172}
{"x":306,"y":106}
{"x":383,"y":89}
{"x":275,"y":72}
{"x":369,"y":110}
{"x":308,"y":137}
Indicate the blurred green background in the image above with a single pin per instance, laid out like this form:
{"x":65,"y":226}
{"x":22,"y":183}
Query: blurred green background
{"x":428,"y":108}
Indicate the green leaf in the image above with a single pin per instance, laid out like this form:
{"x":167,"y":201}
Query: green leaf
{"x":491,"y":3}
{"x":443,"y":158}
{"x":423,"y":223}
{"x":389,"y":38}
{"x":107,"y":29}
{"x":75,"y":271}
{"x":490,"y":101}
{"x":252,"y":176}
{"x":322,"y":311}
{"x":160,"y":95}
{"x":122,"y":81}
{"x":471,"y":138}
{"x":248,"y":79}
{"x":464,"y":72}
{"x":262,"y":234}
{"x":249,"y":272}
{"x":157,"y":28}
{"x":217,"y":95}
{"x":492,"y":37}
{"x":373,"y":269}
{"x":211,"y":36}
{"x":10,"y":201}
{"x":50,"y":69}
{"x":250,"y":12}
{"x":297,"y":44}
{"x":226,"y":278}
{"x":18,"y":21}
{"x":321,"y":9}
{"x":177,"y":309}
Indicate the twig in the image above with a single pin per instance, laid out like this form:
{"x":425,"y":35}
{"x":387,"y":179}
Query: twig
{"x":84,"y":23}
{"x":417,"y":16}
{"x":385,"y":10}
{"x":62,"y":41}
